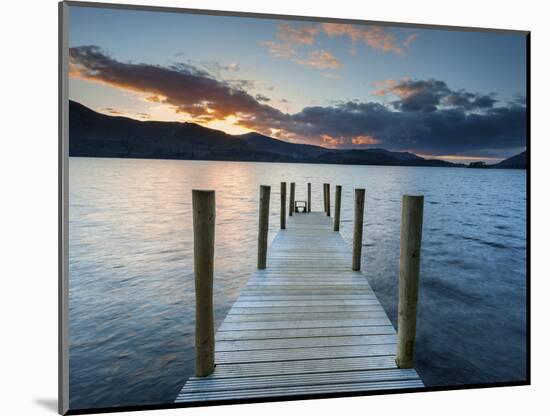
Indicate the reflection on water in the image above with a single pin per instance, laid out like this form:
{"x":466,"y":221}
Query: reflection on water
{"x":130,"y":263}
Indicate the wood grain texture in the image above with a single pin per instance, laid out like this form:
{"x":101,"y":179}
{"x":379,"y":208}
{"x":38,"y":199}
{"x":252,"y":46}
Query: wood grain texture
{"x":263,"y":225}
{"x":204,"y":221}
{"x":409,"y":269}
{"x":306,"y":325}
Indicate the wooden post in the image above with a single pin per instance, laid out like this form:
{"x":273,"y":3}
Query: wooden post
{"x":409,"y":269}
{"x":308,"y":197}
{"x":283,"y":205}
{"x":263,"y":226}
{"x":328,"y":199}
{"x":325,"y":197}
{"x":291,"y":203}
{"x":358,"y":229}
{"x":204,"y":221}
{"x":337,"y":207}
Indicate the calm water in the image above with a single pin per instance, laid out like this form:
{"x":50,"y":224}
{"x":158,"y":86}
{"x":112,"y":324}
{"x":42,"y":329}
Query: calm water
{"x":131,"y":282}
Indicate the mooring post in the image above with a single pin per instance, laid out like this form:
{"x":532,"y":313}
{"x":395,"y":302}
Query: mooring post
{"x":409,"y":270}
{"x":291,"y":201}
{"x":328,"y":199}
{"x":283,"y":205}
{"x":358,"y":229}
{"x":337,"y":207}
{"x":308,"y":197}
{"x":204,"y":221}
{"x":325,"y":197}
{"x":263,"y":226}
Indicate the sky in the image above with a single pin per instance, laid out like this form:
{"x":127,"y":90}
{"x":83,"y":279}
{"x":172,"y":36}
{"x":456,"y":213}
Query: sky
{"x":454,"y":95}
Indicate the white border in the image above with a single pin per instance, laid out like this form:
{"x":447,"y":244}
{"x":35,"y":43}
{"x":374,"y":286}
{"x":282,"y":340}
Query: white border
{"x":29,"y":204}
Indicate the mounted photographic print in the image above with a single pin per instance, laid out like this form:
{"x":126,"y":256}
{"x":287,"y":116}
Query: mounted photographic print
{"x":265,"y":208}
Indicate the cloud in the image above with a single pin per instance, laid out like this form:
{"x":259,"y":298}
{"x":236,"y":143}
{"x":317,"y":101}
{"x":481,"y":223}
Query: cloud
{"x":218,"y":69}
{"x":321,"y":60}
{"x":364,"y":139}
{"x":280,"y":50}
{"x":241,"y":84}
{"x":115,"y":112}
{"x":519,"y":99}
{"x":442,"y":131}
{"x":360,"y":141}
{"x":304,"y":35}
{"x":329,"y":141}
{"x":112,"y":111}
{"x":318,"y":59}
{"x":429,"y":95}
{"x":291,"y":38}
{"x":409,"y":40}
{"x":428,"y":117}
{"x":187,"y":89}
{"x":261,"y":97}
{"x":376,"y":37}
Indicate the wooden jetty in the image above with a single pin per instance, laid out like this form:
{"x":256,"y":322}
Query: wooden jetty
{"x":307,"y":325}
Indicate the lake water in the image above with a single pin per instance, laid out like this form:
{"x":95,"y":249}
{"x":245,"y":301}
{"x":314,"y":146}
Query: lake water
{"x":131,"y":281}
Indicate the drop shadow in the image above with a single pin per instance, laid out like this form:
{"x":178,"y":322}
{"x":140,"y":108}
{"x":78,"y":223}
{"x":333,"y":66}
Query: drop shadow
{"x":48,"y":404}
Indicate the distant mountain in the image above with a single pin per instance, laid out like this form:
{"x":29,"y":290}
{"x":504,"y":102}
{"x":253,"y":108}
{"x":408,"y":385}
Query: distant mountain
{"x":396,"y":155}
{"x":515,"y":162}
{"x":267,"y":144}
{"x":93,"y":134}
{"x":379,"y":157}
{"x":97,"y":135}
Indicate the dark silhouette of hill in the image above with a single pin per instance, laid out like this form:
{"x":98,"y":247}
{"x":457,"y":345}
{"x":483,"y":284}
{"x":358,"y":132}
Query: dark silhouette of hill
{"x":92,"y":134}
{"x":518,"y":161}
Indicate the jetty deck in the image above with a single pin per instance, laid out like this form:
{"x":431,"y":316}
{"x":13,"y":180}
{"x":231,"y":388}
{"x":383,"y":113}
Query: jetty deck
{"x":307,"y":325}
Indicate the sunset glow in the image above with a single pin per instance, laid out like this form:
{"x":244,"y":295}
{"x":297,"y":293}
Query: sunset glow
{"x":328,"y":84}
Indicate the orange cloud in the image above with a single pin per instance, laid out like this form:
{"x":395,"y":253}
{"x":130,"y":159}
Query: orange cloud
{"x":187,"y":89}
{"x":155,"y":99}
{"x":184,"y":89}
{"x":304,"y":35}
{"x":365,"y":139}
{"x":331,"y":141}
{"x":321,"y":60}
{"x":374,"y":36}
{"x":385,"y":86}
{"x":291,"y":37}
{"x":402,"y":88}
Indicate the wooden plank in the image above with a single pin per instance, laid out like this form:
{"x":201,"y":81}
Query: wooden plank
{"x":328,"y":302}
{"x":296,"y":391}
{"x":320,"y":323}
{"x":262,"y":344}
{"x":293,"y":310}
{"x":306,"y":332}
{"x":318,"y":366}
{"x":198,"y":385}
{"x":310,"y":317}
{"x":262,"y":297}
{"x":306,"y":325}
{"x":292,"y":354}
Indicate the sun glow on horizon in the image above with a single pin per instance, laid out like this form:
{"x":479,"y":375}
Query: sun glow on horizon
{"x":163,"y":113}
{"x":461,"y":159}
{"x":228,"y":125}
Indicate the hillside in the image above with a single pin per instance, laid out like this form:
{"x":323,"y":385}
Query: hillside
{"x":92,"y":134}
{"x":518,"y":161}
